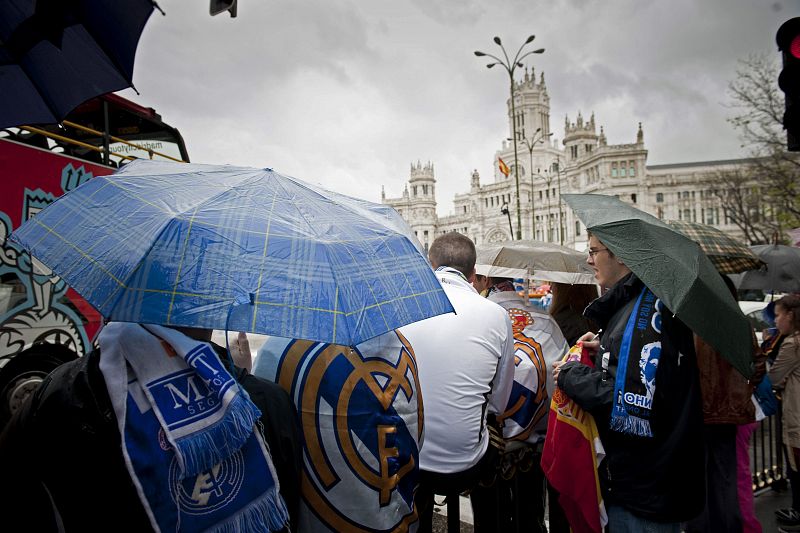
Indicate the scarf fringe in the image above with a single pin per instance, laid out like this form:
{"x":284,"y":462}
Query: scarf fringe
{"x":631,"y":425}
{"x":201,"y":451}
{"x":268,"y":513}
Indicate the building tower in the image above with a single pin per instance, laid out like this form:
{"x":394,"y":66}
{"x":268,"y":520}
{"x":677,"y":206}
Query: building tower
{"x":532,"y":107}
{"x":532,"y":122}
{"x":422,"y":210}
{"x":580,"y":139}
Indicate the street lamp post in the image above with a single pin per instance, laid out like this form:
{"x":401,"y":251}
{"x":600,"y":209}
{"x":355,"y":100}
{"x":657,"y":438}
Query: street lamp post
{"x":530,"y":146}
{"x":504,"y":211}
{"x":548,"y":180}
{"x":560,"y":214}
{"x":510,"y":66}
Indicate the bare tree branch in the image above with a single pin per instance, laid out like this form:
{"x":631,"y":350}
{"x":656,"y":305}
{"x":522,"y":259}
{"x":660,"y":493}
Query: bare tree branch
{"x":762,"y":198}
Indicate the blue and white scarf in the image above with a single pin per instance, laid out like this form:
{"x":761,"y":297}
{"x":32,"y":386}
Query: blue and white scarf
{"x":635,"y":385}
{"x":188,"y":433}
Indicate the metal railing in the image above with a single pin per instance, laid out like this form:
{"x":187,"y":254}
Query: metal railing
{"x":98,"y":149}
{"x":768,"y":467}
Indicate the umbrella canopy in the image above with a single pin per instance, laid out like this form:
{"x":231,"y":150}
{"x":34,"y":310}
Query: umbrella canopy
{"x":782,"y":273}
{"x":674,"y":268}
{"x":225,"y":247}
{"x":56,"y":54}
{"x":727,"y":254}
{"x":534,"y":259}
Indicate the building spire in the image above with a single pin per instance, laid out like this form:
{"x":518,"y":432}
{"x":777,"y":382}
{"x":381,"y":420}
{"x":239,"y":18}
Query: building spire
{"x":476,"y":179}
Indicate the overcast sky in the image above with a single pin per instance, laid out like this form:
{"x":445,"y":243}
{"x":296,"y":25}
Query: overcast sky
{"x":348,"y":93}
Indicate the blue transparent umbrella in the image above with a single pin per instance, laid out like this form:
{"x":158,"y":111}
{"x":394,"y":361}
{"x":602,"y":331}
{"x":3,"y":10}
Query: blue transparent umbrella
{"x":235,"y":248}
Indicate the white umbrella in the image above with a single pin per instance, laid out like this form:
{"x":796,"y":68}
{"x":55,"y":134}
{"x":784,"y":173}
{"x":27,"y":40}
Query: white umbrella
{"x":529,"y":259}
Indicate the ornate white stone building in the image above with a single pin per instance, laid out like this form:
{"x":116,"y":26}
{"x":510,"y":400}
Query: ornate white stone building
{"x":583,"y":162}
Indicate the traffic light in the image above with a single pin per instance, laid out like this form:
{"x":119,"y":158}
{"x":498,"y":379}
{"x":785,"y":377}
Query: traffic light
{"x":788,"y":39}
{"x":220,"y":6}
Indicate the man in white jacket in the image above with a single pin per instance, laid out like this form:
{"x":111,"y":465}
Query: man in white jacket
{"x":465,"y":365}
{"x":518,"y":497}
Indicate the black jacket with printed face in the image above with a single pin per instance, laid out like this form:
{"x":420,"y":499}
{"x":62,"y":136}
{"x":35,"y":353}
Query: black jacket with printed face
{"x":659,"y":478}
{"x":63,"y":450}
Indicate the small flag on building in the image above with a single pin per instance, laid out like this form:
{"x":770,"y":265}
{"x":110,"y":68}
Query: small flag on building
{"x":503,"y":167}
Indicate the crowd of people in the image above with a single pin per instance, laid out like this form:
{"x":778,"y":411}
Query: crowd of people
{"x":145,"y":431}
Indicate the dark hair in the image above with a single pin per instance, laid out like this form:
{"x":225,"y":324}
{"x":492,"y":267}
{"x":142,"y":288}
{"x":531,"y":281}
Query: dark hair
{"x":791,"y":303}
{"x":589,"y":235}
{"x":576,"y":297}
{"x":453,"y":250}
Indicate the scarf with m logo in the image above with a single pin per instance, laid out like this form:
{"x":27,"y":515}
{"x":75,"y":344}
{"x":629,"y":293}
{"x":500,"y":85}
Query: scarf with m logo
{"x":188,"y":433}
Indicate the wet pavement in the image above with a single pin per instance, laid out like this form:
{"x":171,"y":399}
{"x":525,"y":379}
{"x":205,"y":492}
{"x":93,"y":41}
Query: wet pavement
{"x":766,"y":503}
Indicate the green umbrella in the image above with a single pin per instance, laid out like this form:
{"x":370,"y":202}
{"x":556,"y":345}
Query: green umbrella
{"x":675,"y":269}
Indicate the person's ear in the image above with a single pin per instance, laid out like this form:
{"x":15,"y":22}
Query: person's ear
{"x":471,"y":278}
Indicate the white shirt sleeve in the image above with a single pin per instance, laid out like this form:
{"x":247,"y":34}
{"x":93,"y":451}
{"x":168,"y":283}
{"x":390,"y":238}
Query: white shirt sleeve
{"x":504,"y":377}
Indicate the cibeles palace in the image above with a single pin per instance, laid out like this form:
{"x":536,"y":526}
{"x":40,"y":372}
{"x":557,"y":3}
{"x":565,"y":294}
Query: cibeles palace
{"x":582,"y":162}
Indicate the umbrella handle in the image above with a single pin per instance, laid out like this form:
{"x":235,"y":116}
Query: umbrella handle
{"x":236,"y":303}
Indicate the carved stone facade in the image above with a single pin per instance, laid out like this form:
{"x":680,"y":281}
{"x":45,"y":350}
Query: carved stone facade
{"x":583,"y":162}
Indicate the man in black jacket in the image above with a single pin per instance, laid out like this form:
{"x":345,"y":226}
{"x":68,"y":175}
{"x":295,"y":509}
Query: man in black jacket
{"x":61,"y":454}
{"x":652,"y":476}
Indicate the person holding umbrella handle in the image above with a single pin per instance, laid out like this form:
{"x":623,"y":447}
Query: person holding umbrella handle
{"x":645,"y":397}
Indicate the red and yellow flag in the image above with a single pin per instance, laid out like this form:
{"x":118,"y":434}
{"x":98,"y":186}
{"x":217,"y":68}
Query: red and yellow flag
{"x":572,"y":451}
{"x":503,"y":167}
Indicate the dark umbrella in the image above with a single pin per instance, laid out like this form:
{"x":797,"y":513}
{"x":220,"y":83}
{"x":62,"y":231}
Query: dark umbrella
{"x":782,"y":273}
{"x":728,"y":255}
{"x":56,"y":54}
{"x":674,"y":268}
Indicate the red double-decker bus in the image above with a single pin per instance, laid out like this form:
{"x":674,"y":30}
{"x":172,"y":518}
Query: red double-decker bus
{"x":43,"y":322}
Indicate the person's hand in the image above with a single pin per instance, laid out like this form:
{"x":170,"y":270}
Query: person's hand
{"x":240,"y":352}
{"x":557,"y":370}
{"x":590,"y":342}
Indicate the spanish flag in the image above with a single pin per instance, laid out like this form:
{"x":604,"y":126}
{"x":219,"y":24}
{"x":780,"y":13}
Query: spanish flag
{"x":503,"y":167}
{"x":572,"y":452}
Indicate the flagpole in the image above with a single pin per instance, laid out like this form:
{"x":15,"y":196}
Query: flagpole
{"x":510,"y":66}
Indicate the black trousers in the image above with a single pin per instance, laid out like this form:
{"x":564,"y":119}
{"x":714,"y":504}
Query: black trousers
{"x":721,"y":513}
{"x":794,"y":477}
{"x":449,"y":485}
{"x":512,"y":505}
{"x":557,"y":520}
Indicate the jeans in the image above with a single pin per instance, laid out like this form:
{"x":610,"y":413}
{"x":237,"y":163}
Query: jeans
{"x":620,"y":520}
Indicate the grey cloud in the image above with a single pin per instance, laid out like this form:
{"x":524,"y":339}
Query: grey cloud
{"x":348,"y":93}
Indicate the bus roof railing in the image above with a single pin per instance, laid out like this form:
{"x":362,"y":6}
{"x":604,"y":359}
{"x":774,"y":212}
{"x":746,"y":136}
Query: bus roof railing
{"x":98,"y":149}
{"x":117,"y":139}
